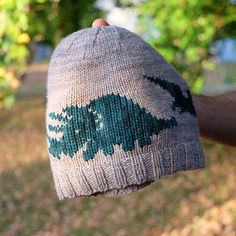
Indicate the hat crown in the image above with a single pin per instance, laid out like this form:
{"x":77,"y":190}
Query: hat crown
{"x":111,"y":47}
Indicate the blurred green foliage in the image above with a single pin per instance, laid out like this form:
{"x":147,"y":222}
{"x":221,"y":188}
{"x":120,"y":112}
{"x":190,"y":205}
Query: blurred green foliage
{"x":13,"y":51}
{"x":30,"y":21}
{"x":184,"y":32}
{"x":53,"y":19}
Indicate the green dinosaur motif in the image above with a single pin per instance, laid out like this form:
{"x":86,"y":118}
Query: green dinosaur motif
{"x":184,"y":103}
{"x":104,"y":122}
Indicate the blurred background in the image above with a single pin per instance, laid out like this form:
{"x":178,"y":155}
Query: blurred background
{"x":197,"y":37}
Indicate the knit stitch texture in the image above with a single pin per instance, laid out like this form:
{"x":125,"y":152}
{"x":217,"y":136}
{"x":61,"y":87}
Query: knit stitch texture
{"x":118,"y":116}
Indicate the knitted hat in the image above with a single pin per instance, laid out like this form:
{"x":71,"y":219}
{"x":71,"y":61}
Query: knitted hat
{"x":118,"y":115}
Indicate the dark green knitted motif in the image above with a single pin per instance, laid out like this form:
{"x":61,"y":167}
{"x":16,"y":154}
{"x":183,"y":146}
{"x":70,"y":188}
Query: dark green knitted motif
{"x":104,"y":122}
{"x":185,"y":104}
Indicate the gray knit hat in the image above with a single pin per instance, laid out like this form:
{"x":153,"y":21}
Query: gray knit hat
{"x":118,"y":115}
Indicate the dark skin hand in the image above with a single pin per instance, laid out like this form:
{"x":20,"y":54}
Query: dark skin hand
{"x":216,"y":115}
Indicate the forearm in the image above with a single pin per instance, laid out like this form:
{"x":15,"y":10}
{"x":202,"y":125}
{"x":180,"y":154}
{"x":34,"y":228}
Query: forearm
{"x":217,"y":117}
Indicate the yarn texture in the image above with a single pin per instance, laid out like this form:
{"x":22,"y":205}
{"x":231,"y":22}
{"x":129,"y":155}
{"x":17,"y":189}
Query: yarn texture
{"x":118,"y":116}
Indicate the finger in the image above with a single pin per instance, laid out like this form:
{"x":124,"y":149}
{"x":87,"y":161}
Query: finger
{"x":99,"y":22}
